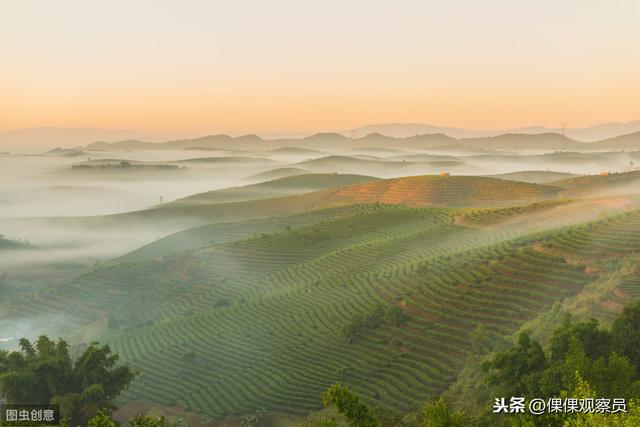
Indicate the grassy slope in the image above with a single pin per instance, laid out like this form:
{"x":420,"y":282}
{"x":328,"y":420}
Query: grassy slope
{"x":535,"y":177}
{"x":263,"y":315}
{"x":277,"y":173}
{"x":206,"y":235}
{"x":414,"y":191}
{"x":586,"y":185}
{"x":296,"y":184}
{"x":384,"y":166}
{"x":6,"y":244}
{"x":449,"y":191}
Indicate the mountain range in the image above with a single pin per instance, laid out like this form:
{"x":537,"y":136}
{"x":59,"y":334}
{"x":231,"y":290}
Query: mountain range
{"x":614,"y":136}
{"x":327,"y":141}
{"x":586,"y":134}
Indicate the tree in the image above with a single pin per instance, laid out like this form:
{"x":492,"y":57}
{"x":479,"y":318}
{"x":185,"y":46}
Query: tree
{"x":101,"y":420}
{"x":518,"y":371}
{"x":584,"y":361}
{"x":596,"y":342}
{"x":45,"y":373}
{"x":148,"y":421}
{"x":626,"y":334}
{"x":354,"y":410}
{"x":394,"y":315}
{"x":436,"y":413}
{"x":583,"y":390}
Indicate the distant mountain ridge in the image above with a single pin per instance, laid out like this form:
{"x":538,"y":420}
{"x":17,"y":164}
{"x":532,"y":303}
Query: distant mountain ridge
{"x":72,"y":137}
{"x":327,"y":141}
{"x":588,"y":134}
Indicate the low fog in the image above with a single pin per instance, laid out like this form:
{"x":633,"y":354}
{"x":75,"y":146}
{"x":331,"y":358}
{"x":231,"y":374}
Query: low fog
{"x":55,"y":206}
{"x":54,"y":325}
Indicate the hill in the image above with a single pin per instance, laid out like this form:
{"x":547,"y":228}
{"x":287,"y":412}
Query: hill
{"x":295,"y":184}
{"x":398,"y":297}
{"x":547,"y":141}
{"x":605,"y":184}
{"x":377,"y":151}
{"x":443,"y":191}
{"x":8,"y":244}
{"x":406,"y":130}
{"x":249,"y":142}
{"x":297,"y":151}
{"x":227,"y":161}
{"x":592,"y":133}
{"x":422,"y":157}
{"x":629,"y":141}
{"x":534,"y":177}
{"x":457,"y":191}
{"x":367,"y":165}
{"x":206,"y":235}
{"x":277,"y":173}
{"x":518,"y":142}
{"x":218,"y":161}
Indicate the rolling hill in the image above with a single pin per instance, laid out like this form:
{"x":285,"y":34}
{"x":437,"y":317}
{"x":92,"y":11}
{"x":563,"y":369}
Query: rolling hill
{"x":592,"y":133}
{"x":369,"y":165}
{"x":232,"y":327}
{"x":534,"y":177}
{"x":456,"y":191}
{"x":295,"y":184}
{"x":206,"y":235}
{"x":411,"y":191}
{"x":604,"y":184}
{"x":520,"y":142}
{"x":297,"y":151}
{"x":443,"y":191}
{"x":629,"y":141}
{"x":276,"y":174}
{"x":8,"y":244}
{"x":535,"y":141}
{"x":227,"y":161}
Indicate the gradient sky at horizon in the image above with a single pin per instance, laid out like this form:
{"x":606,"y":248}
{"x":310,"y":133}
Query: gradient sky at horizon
{"x":226,"y":66}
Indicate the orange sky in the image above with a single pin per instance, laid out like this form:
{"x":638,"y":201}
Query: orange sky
{"x":196,"y":66}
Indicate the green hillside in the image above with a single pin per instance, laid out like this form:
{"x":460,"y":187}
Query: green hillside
{"x":455,"y":191}
{"x":295,"y":184}
{"x":276,"y":174}
{"x":7,"y":244}
{"x":371,"y":165}
{"x":335,"y":163}
{"x":226,"y":161}
{"x":535,"y":177}
{"x":623,"y":142}
{"x":444,"y":191}
{"x":388,"y":299}
{"x":607,"y":183}
{"x":209,"y":234}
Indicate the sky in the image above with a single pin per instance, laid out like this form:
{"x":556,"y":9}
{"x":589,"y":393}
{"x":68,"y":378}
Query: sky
{"x":191,"y":67}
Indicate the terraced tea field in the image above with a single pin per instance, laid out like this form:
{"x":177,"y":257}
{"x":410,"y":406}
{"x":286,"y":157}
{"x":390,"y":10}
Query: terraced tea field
{"x":390,"y":286}
{"x":227,"y":319}
{"x":290,"y":348}
{"x":608,"y":183}
{"x":417,"y":191}
{"x":445,"y":191}
{"x":296,"y":184}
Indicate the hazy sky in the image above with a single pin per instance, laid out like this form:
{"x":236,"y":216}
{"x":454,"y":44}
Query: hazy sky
{"x":271,"y":66}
